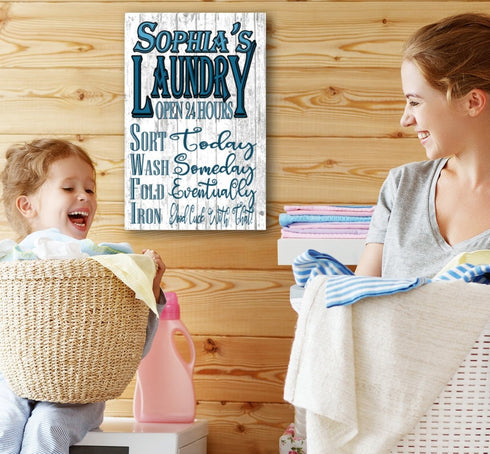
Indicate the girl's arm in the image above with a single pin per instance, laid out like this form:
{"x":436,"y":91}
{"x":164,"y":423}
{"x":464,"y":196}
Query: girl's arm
{"x":160,"y":267}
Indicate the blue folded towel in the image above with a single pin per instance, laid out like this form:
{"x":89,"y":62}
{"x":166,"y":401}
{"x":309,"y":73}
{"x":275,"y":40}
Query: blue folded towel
{"x":287,"y":219}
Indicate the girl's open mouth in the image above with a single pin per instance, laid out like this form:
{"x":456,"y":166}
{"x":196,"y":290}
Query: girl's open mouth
{"x":78,"y":218}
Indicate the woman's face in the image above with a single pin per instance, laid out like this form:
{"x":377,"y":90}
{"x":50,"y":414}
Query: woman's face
{"x":439,"y":124}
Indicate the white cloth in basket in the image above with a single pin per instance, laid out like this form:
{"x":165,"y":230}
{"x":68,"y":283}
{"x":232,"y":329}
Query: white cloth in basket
{"x":52,"y":244}
{"x":367,"y":373}
{"x":135,"y":270}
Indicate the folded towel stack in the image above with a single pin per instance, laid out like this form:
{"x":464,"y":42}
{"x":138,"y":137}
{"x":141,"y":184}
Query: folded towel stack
{"x":325,"y":221}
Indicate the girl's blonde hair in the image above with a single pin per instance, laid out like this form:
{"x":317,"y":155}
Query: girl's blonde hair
{"x":453,"y":54}
{"x":27,"y":169}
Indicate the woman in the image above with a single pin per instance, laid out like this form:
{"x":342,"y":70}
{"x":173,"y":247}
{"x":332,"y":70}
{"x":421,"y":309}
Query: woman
{"x":431,"y":211}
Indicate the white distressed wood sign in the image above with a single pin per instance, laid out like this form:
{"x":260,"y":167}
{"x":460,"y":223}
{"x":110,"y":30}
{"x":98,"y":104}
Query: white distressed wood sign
{"x":195,"y":121}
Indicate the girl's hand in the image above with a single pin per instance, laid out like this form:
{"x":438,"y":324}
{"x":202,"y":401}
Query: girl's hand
{"x":160,"y":267}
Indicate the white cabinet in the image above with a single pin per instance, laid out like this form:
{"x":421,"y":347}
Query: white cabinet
{"x":126,"y":436}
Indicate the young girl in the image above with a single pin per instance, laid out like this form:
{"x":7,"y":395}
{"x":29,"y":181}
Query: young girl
{"x":51,"y":184}
{"x":429,"y":212}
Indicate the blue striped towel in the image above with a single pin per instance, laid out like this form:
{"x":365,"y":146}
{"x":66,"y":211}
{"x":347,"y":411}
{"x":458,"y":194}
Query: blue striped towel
{"x":312,"y":263}
{"x":345,"y":288}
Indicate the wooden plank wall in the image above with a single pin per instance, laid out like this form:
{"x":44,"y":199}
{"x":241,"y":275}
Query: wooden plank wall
{"x":333,"y":106}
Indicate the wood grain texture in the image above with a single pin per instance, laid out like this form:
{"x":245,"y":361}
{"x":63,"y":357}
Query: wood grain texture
{"x":69,"y":101}
{"x":80,"y":35}
{"x":333,"y":103}
{"x":238,"y":303}
{"x":229,"y":369}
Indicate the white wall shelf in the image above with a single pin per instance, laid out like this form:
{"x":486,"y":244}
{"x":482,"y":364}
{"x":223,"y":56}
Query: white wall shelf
{"x":347,"y":251}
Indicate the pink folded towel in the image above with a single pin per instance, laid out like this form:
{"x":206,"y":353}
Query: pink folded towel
{"x":324,"y":235}
{"x":346,"y":210}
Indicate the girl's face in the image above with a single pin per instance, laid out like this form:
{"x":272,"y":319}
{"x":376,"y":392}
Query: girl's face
{"x":66,"y":200}
{"x":439,"y":124}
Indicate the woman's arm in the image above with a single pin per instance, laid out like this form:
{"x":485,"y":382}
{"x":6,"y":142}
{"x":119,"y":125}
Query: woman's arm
{"x":370,"y":261}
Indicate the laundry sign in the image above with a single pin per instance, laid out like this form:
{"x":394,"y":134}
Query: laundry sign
{"x":195,"y":121}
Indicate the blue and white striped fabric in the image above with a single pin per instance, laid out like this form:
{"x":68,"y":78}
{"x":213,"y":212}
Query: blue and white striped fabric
{"x":479,"y":274}
{"x":313,"y":263}
{"x":345,"y":288}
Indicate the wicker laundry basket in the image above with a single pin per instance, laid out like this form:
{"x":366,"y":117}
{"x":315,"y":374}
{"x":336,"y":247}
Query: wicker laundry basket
{"x":458,"y":421}
{"x":70,"y":330}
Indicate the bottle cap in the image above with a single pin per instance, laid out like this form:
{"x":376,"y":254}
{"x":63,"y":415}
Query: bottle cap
{"x":171,"y":311}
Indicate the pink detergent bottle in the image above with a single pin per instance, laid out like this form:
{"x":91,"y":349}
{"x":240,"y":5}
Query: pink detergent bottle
{"x":164,"y":387}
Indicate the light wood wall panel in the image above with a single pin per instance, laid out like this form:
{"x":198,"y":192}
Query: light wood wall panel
{"x":229,"y":369}
{"x":334,"y":102}
{"x":241,"y":303}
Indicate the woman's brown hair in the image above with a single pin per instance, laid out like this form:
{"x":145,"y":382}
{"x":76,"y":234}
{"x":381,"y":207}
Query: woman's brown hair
{"x":453,"y":54}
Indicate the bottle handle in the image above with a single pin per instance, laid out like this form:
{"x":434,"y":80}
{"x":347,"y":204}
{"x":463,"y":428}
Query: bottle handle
{"x":190,"y":364}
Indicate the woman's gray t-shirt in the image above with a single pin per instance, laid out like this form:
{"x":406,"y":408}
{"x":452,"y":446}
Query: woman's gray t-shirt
{"x":405,"y":222}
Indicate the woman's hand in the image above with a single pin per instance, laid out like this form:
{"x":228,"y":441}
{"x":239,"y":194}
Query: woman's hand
{"x":160,"y":269}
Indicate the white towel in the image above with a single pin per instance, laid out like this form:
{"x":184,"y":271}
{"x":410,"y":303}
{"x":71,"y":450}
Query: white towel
{"x":367,"y":373}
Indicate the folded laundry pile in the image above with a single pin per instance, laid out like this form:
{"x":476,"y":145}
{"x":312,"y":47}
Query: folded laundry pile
{"x":325,"y":221}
